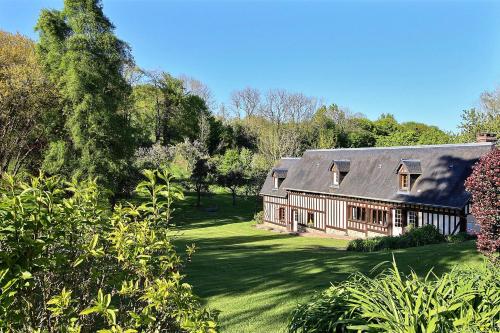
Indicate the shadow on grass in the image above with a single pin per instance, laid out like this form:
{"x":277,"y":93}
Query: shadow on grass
{"x":216,"y":209}
{"x":260,"y":276}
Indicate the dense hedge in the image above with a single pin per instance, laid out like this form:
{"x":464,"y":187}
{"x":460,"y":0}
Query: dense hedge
{"x":464,"y":300}
{"x":427,"y":234}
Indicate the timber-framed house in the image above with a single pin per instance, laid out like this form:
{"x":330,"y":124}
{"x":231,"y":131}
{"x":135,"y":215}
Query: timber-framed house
{"x":365,"y":192}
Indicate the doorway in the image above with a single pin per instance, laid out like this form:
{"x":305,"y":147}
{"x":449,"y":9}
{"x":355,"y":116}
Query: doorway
{"x":397,"y":222}
{"x":294,"y":220}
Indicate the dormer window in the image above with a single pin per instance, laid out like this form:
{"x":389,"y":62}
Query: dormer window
{"x":404,"y":182}
{"x":335,"y":178}
{"x":339,"y":169}
{"x":279,"y":176}
{"x":408,"y":171}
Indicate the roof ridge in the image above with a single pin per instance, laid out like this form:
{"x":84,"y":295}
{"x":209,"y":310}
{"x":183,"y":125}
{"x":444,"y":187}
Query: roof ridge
{"x":449,"y":145}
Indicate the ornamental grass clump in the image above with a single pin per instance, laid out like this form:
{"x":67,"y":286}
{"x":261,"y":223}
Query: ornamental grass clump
{"x":69,"y":265}
{"x":464,"y":300}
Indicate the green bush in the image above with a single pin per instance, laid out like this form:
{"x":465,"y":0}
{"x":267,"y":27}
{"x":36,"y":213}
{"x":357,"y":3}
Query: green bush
{"x":464,"y":300}
{"x":68,"y":265}
{"x":460,"y":237}
{"x":425,"y":235}
{"x":258,"y":217}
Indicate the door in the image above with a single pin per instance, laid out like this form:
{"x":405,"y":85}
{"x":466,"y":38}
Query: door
{"x":294,"y":220}
{"x":397,"y":222}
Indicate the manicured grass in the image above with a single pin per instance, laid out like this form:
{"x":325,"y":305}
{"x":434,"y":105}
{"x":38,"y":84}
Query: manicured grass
{"x":256,"y":277}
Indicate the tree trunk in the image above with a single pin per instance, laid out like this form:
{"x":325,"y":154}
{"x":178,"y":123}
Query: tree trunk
{"x":157,"y":120}
{"x":234,"y":196}
{"x":112,"y":201}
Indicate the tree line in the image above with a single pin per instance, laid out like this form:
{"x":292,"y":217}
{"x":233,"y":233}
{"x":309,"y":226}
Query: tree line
{"x":75,"y":103}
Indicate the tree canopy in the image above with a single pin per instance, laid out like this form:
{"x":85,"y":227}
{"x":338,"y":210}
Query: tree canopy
{"x":85,"y":60}
{"x":28,"y":105}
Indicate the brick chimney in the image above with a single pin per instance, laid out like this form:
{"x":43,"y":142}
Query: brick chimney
{"x":486,"y":137}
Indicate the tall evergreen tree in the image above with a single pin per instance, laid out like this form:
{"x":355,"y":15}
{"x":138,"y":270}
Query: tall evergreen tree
{"x":82,"y":55}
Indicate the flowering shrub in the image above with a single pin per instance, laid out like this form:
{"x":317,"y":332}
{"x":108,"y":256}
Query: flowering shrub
{"x":484,"y":186}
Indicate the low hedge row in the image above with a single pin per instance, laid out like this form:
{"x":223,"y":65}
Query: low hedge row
{"x":425,"y":235}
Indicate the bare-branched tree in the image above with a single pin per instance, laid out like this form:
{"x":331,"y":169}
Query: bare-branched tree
{"x":200,"y":89}
{"x":246,"y":102}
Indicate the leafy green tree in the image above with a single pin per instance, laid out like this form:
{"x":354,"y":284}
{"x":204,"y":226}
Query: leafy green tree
{"x":185,"y":123}
{"x":84,"y":58}
{"x":57,"y":159}
{"x":29,"y":105}
{"x":398,"y":138}
{"x":483,"y":119}
{"x":145,"y":106}
{"x":433,"y":135}
{"x":173,"y":93}
{"x":411,"y":133}
{"x":187,"y":154}
{"x":232,"y":170}
{"x":360,"y":138}
{"x":164,"y":112}
{"x":385,"y":124}
{"x":322,"y":129}
{"x":471,"y":124}
{"x":201,"y":177}
{"x":256,"y":174}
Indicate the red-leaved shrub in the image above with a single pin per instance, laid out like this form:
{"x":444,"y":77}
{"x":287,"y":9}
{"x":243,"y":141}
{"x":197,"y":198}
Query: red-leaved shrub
{"x":484,"y":186}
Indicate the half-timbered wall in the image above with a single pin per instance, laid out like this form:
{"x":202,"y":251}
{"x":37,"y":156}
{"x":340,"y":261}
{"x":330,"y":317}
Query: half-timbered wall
{"x":336,"y":214}
{"x":309,"y":203}
{"x":447,"y":223}
{"x":471,"y":224}
{"x":368,"y":226}
{"x":271,"y":210}
{"x":330,"y":212}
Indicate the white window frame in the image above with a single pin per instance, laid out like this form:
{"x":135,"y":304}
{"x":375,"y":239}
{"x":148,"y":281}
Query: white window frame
{"x":413,"y":218}
{"x":276,"y":182}
{"x":406,"y":186}
{"x":335,"y":178}
{"x":398,"y":218}
{"x":380,"y":217}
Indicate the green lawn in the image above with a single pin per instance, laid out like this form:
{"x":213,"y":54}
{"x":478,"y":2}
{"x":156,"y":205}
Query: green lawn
{"x":256,"y":277}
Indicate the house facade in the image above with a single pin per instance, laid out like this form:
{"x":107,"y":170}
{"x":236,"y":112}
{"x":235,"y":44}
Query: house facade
{"x":366,"y":192}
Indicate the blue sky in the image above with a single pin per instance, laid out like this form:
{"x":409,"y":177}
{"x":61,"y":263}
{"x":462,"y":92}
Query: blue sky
{"x":420,"y":60}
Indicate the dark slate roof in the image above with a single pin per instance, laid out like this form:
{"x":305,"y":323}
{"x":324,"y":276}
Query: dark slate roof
{"x":413,"y":166}
{"x":279,"y":172}
{"x":342,"y":165}
{"x":444,"y":169}
{"x":283,"y":164}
